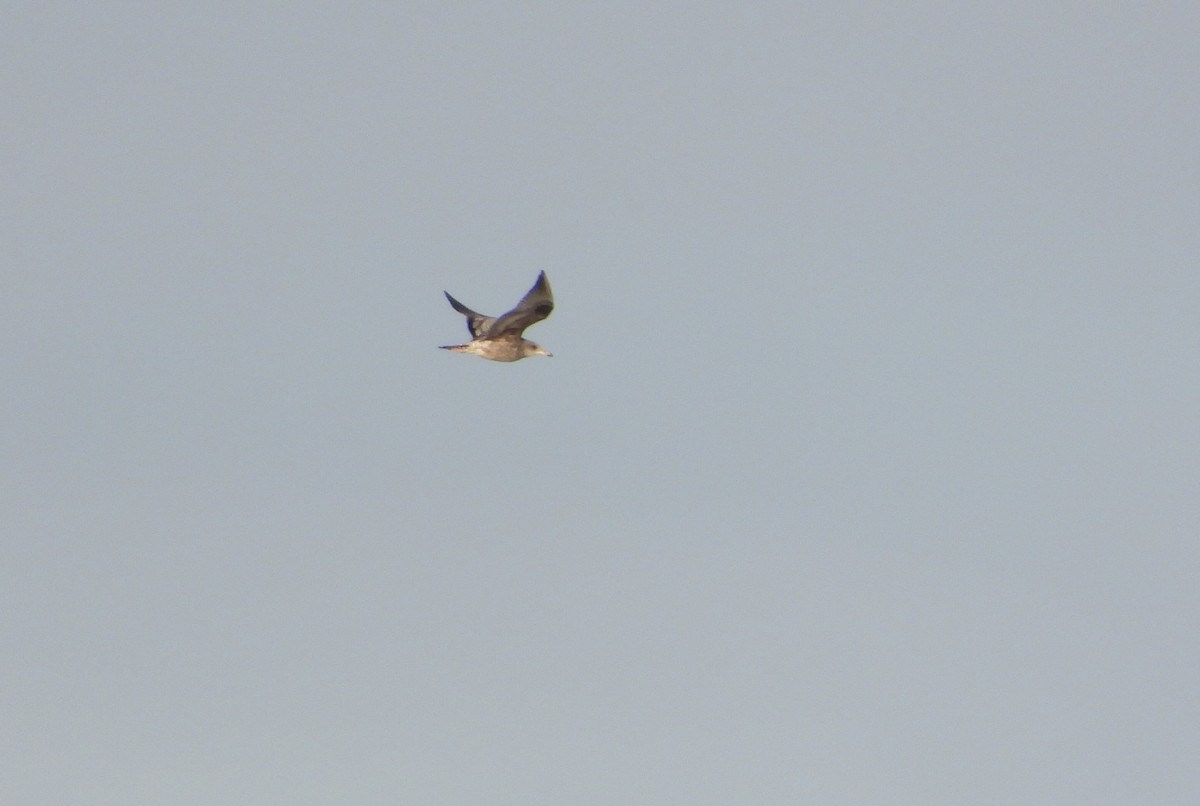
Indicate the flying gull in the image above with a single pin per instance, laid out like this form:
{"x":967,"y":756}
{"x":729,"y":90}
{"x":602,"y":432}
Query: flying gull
{"x":499,"y":338}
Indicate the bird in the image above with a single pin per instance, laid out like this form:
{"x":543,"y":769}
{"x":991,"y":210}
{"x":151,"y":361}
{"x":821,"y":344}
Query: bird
{"x":499,"y":338}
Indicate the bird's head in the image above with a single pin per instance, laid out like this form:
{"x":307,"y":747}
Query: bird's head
{"x":533,"y":349}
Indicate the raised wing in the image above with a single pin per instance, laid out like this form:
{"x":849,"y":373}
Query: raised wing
{"x":534,"y":307}
{"x":477,"y":323}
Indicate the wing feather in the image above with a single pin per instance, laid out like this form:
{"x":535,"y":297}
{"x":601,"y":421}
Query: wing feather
{"x":477,"y":323}
{"x":535,"y":306}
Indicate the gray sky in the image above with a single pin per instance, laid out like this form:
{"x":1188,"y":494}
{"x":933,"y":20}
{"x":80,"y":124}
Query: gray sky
{"x":865,"y":471}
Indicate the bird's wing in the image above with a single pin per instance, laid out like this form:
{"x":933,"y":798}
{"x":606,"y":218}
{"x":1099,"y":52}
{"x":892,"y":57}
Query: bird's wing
{"x":534,"y":307}
{"x":477,"y":323}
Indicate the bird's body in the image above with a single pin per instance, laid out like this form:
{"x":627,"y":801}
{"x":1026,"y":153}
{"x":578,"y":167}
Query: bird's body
{"x":499,"y":338}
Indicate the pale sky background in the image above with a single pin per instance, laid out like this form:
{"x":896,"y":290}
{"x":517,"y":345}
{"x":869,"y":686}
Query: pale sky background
{"x":866,"y":471}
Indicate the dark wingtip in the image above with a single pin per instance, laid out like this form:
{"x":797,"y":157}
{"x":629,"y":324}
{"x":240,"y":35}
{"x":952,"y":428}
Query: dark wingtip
{"x":456,"y":305}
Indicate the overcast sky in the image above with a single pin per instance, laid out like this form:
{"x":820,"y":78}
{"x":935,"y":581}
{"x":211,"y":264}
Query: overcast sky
{"x":866,"y":469}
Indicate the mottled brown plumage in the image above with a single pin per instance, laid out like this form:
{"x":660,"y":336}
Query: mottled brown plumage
{"x":499,"y":338}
